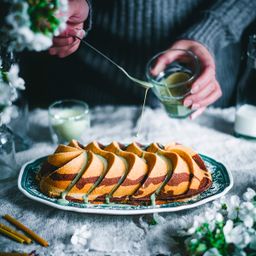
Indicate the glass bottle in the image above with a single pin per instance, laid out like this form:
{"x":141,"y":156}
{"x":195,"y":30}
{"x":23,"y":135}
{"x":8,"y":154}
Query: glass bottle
{"x":8,"y":164}
{"x":245,"y":119}
{"x":19,"y":121}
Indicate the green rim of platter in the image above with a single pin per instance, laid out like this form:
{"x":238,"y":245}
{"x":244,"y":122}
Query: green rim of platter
{"x":222,"y":183}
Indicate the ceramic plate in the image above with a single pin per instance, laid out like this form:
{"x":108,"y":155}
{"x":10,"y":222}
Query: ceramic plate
{"x":222,"y":183}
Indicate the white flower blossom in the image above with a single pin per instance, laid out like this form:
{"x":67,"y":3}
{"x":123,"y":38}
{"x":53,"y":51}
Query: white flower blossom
{"x":233,"y":207}
{"x":249,"y":195}
{"x":221,"y":205}
{"x":237,"y":235}
{"x":62,"y":14}
{"x":40,"y":42}
{"x":6,"y":94}
{"x":81,"y":236}
{"x":219,"y":217}
{"x":14,"y":79}
{"x":13,"y":96}
{"x":7,"y":114}
{"x":198,"y":221}
{"x":193,"y":241}
{"x":10,"y":82}
{"x":246,"y":214}
{"x":20,"y":36}
{"x":212,"y":252}
{"x":25,"y":35}
{"x":228,"y":228}
{"x":239,"y":219}
{"x":211,"y":216}
{"x":19,"y":17}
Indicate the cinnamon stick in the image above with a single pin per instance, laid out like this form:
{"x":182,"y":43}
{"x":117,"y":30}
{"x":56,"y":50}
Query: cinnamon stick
{"x":25,"y":238}
{"x":11,"y":235}
{"x":13,"y":254}
{"x":31,"y":233}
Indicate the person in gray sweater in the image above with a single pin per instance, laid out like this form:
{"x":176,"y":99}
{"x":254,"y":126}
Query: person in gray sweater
{"x":132,"y":31}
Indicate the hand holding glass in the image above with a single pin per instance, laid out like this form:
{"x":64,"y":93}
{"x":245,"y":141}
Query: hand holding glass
{"x":173,"y":83}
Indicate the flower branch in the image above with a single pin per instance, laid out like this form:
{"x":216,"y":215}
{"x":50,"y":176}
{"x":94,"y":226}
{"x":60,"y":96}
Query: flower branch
{"x":32,"y":24}
{"x":228,"y":228}
{"x":10,"y":83}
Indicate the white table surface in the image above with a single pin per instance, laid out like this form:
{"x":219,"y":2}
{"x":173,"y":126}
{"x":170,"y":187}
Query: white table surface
{"x":211,"y":134}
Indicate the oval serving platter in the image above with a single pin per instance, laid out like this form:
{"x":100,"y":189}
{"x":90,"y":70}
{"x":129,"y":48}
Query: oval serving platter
{"x":222,"y":183}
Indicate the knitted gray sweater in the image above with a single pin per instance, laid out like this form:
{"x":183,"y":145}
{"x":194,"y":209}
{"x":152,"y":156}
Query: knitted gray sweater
{"x":132,"y":31}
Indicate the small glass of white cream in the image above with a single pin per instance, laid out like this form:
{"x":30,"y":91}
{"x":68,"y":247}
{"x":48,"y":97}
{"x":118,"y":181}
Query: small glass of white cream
{"x":68,"y":119}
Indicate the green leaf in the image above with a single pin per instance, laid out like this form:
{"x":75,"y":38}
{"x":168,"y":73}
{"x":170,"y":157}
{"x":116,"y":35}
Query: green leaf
{"x":5,"y":76}
{"x":153,"y":222}
{"x":208,"y":239}
{"x":42,"y":16}
{"x":201,"y":248}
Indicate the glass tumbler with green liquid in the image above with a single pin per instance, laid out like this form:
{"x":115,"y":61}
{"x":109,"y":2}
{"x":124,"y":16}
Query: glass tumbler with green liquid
{"x":172,"y":84}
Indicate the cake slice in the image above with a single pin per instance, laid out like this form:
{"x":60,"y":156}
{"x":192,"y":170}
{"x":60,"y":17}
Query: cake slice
{"x":66,"y":148}
{"x":75,"y":144}
{"x":158,"y":168}
{"x":116,"y":168}
{"x":95,"y":169}
{"x":136,"y":171}
{"x":60,"y":159}
{"x":62,"y":155}
{"x":200,"y":177}
{"x":58,"y":181}
{"x":196,"y":157}
{"x":179,"y":180}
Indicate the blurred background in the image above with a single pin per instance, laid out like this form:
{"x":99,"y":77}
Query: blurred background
{"x":49,"y":78}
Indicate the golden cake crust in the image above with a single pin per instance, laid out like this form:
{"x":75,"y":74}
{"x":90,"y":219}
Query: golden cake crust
{"x":132,"y":174}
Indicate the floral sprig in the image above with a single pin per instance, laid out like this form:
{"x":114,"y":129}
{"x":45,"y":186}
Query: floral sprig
{"x":10,"y":83}
{"x":81,"y":236}
{"x":32,"y":24}
{"x":28,"y":24}
{"x":228,"y":228}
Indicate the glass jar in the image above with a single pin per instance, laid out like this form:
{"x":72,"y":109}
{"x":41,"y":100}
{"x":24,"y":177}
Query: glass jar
{"x":68,"y":119}
{"x":245,"y":119}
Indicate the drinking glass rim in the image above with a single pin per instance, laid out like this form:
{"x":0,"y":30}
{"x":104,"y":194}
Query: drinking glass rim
{"x":77,"y":117}
{"x":196,"y":61}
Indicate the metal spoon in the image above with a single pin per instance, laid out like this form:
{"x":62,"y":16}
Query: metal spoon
{"x":141,"y":82}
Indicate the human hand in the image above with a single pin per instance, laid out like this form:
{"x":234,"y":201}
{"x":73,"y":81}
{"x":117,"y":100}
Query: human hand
{"x":66,"y":43}
{"x":205,"y":90}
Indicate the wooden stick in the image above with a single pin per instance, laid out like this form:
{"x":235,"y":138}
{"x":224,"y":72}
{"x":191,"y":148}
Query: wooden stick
{"x":25,"y":238}
{"x":13,"y":254}
{"x":32,"y":234}
{"x":11,"y":235}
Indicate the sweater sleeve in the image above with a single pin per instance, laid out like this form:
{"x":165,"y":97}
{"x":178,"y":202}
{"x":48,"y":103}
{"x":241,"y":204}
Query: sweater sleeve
{"x":223,"y":24}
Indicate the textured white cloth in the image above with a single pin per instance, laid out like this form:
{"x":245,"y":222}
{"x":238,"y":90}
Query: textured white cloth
{"x":211,"y":134}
